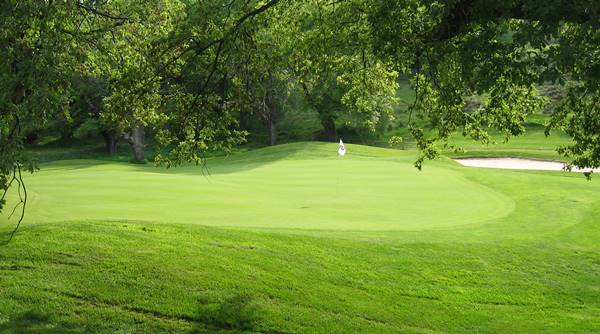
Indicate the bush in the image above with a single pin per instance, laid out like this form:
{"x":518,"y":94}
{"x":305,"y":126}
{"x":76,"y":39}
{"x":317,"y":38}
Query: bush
{"x":88,"y":129}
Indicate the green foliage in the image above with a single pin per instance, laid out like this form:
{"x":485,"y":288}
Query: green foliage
{"x":371,"y":92}
{"x":129,"y":56}
{"x":458,"y":49}
{"x":261,"y":79}
{"x":33,"y":84}
{"x":337,"y":68}
{"x":395,"y":141}
{"x":577,"y":116}
{"x":153,"y":66}
{"x":90,"y":128}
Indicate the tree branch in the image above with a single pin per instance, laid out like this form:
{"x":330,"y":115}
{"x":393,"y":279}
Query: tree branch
{"x":17,"y":176}
{"x":101,"y":13}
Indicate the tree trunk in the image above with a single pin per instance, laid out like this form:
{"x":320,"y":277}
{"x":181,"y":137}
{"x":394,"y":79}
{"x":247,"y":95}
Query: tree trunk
{"x":137,"y":141}
{"x":112,"y":144}
{"x":110,"y":139}
{"x":244,"y":120}
{"x":272,"y":109}
{"x":272,"y":132}
{"x":329,"y":129}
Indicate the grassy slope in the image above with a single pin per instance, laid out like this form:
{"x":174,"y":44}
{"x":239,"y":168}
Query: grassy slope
{"x":532,"y":266}
{"x":534,"y":144}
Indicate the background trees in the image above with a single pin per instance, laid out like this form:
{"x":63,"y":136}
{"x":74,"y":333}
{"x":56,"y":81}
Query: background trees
{"x":501,"y":50}
{"x":337,"y":68}
{"x":261,"y":76}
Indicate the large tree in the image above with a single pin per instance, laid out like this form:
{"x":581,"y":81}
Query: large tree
{"x":500,"y":49}
{"x":199,"y":114}
{"x":129,"y":55}
{"x":34,"y":81}
{"x":261,"y":75}
{"x":336,"y":65}
{"x":161,"y":59}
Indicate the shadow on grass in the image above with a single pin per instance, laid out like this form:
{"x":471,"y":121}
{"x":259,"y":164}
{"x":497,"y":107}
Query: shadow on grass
{"x":217,"y":164}
{"x":52,"y":153}
{"x":36,"y":322}
{"x":248,"y":160}
{"x":236,"y":314}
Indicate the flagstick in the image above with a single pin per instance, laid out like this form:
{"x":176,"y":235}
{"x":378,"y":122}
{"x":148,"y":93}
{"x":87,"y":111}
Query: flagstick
{"x":340,"y":167}
{"x":339,"y":176}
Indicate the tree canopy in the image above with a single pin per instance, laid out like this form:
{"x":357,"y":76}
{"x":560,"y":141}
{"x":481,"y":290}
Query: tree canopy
{"x":500,"y":49}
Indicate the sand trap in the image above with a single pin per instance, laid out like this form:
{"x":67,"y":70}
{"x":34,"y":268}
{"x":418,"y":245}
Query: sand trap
{"x":517,"y":163}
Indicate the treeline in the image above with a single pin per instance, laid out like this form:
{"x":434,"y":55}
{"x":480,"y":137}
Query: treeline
{"x":197,"y":76}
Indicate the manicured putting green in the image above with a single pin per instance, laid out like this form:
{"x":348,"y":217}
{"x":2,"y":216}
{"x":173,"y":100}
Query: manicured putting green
{"x":317,"y":190}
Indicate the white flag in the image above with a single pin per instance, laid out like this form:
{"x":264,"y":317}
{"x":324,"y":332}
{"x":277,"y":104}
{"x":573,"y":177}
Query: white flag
{"x":342,"y":149}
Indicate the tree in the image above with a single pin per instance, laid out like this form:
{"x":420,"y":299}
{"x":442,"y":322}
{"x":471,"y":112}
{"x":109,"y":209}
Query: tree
{"x":261,"y":76}
{"x":40,"y":53}
{"x":199,"y":113}
{"x":337,"y":67}
{"x":33,"y":84}
{"x":503,"y":49}
{"x":43,"y":43}
{"x":86,"y":111}
{"x":128,"y":55}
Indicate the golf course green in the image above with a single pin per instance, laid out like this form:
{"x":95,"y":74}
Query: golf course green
{"x":296,"y":239}
{"x":350,"y":193}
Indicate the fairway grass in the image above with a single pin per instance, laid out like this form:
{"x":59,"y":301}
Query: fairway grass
{"x":294,"y":239}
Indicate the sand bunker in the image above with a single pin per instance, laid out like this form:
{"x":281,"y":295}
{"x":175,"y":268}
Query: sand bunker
{"x":517,"y":163}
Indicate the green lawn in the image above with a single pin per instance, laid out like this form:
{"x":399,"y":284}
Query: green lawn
{"x":293,"y":190}
{"x":294,"y":239}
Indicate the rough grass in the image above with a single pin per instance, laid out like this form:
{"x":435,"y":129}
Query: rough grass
{"x":239,"y":253}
